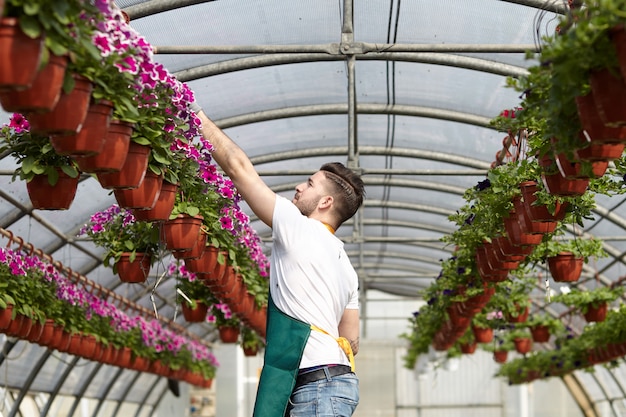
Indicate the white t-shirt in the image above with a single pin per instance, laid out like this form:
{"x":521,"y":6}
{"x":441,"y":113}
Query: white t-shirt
{"x":311,"y":279}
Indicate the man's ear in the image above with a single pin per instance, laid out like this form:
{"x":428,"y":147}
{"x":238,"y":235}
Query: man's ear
{"x":326,"y":202}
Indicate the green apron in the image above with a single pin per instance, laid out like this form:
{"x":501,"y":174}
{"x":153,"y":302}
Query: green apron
{"x":286,"y":338}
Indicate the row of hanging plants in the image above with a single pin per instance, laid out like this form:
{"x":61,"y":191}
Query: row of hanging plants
{"x":161,"y":172}
{"x":515,"y":220}
{"x":41,"y":304}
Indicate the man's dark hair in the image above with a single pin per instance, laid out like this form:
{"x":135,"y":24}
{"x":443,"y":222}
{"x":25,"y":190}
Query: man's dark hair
{"x":348,"y":189}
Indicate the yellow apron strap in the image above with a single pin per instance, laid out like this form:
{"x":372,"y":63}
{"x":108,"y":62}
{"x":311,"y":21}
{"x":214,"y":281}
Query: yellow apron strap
{"x":344,"y":344}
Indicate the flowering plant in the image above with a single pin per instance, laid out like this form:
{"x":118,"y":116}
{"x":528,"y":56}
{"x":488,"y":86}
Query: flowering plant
{"x":38,"y":290}
{"x":193,"y":290}
{"x":117,"y":230}
{"x":34,"y":153}
{"x":221,"y":315}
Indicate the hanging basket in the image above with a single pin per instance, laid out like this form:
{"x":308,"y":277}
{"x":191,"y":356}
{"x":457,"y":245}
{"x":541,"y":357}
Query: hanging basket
{"x":540,"y":212}
{"x":540,"y":333}
{"x":195,"y":315}
{"x":89,"y":139}
{"x":500,"y":356}
{"x":44,"y":92}
{"x":182,"y":232}
{"x":228,"y":334}
{"x":114,"y":150}
{"x":68,"y":115}
{"x":596,"y":313}
{"x":609,"y":94}
{"x":132,"y":172}
{"x":143,"y":197}
{"x":523,"y":345}
{"x":60,"y":196}
{"x":556,"y":184}
{"x":162,"y":207}
{"x":19,"y":56}
{"x":136,"y":271}
{"x":565,"y":267}
{"x":593,"y":126}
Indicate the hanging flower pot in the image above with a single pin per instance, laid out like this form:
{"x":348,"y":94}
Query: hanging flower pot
{"x":519,"y":316}
{"x":204,"y":264}
{"x":250,"y":351}
{"x":517,"y":236}
{"x":500,"y":356}
{"x":143,"y":197}
{"x":565,"y":267}
{"x":114,"y":150}
{"x":89,"y":139}
{"x":228,"y":334}
{"x":135,"y":271}
{"x":162,"y":207}
{"x":195,"y":314}
{"x":529,"y":226}
{"x":132,"y":172}
{"x":468,"y":348}
{"x":6,"y":316}
{"x":556,"y":184}
{"x":581,"y":168}
{"x":45,"y":196}
{"x":609,"y":94}
{"x":540,"y":212}
{"x":68,"y":115}
{"x":596,"y":313}
{"x":182,"y":232}
{"x":44,"y":92}
{"x":523,"y":345}
{"x":196,"y":251}
{"x":594,"y":128}
{"x":540,"y":333}
{"x":618,"y":38}
{"x":19,"y":56}
{"x":47,"y":333}
{"x":482,"y":334}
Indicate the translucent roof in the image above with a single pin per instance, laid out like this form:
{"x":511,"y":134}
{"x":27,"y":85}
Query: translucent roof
{"x":401,"y":91}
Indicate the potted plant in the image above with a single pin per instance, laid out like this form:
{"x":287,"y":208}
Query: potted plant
{"x":227,"y":323}
{"x":543,"y":325}
{"x":39,"y":162}
{"x":586,"y":301}
{"x":565,"y":257}
{"x":194,"y":295}
{"x":116,"y":230}
{"x":251,"y":342}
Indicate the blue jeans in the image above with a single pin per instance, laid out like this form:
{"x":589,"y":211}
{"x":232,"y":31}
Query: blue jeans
{"x":336,"y":396}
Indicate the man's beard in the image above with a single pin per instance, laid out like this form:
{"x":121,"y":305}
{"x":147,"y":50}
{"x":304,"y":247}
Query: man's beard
{"x":306,"y":207}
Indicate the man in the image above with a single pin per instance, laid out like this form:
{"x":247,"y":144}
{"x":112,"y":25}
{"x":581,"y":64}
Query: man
{"x":313,"y":316}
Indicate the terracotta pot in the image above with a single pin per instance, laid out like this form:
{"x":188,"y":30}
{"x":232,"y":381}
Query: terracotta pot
{"x":205,"y":264}
{"x":136,"y":271}
{"x":609,"y":94}
{"x":182,"y":232}
{"x":540,"y":212}
{"x":523,"y":345}
{"x":565,"y":267}
{"x":44,"y":92}
{"x":582,"y":168}
{"x":132,"y":172}
{"x":557,"y":185}
{"x":228,"y":334}
{"x":593,"y":126}
{"x":500,"y":356}
{"x":529,"y":226}
{"x":20,"y":56}
{"x":618,"y":37}
{"x":596,"y":314}
{"x":597,"y":151}
{"x":90,"y":138}
{"x":68,"y":115}
{"x":162,"y":207}
{"x":124,"y":357}
{"x":468,"y":348}
{"x":485,"y":270}
{"x":196,"y":251}
{"x":195,"y":315}
{"x":250,"y":351}
{"x":44,"y":196}
{"x":114,"y":150}
{"x":540,"y":333}
{"x":143,"y":197}
{"x":6,"y":316}
{"x":47,"y":333}
{"x":34,"y":334}
{"x":517,"y":236}
{"x":521,"y":317}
